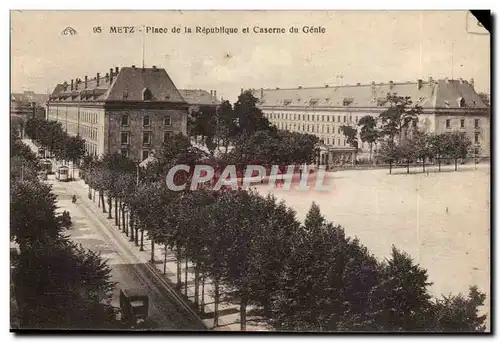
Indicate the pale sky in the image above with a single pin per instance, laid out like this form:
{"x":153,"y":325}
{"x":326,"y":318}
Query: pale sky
{"x":363,"y":46}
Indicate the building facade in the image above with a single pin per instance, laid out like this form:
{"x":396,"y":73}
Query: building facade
{"x":129,"y":111}
{"x":448,"y":105}
{"x":24,"y":106}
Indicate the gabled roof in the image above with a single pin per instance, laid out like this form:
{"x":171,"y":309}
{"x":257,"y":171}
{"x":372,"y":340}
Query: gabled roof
{"x":431,"y":94}
{"x":127,"y":85}
{"x":198,"y":97}
{"x":29,"y":96}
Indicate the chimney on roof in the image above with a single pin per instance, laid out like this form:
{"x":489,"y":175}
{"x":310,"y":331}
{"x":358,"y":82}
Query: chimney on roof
{"x":133,"y":66}
{"x":107,"y":77}
{"x":211,"y":93}
{"x":71,"y":84}
{"x":373,"y":88}
{"x":77,"y":81}
{"x":241,"y":92}
{"x":326,"y":85}
{"x":215,"y":93}
{"x":431,"y":81}
{"x":86,"y":78}
{"x":419,"y":84}
{"x":154,"y":67}
{"x":116,"y":70}
{"x":391,"y":85}
{"x":358,"y":84}
{"x":97,"y":79}
{"x":300,"y":87}
{"x":471,"y":82}
{"x":261,"y":92}
{"x":111,"y":75}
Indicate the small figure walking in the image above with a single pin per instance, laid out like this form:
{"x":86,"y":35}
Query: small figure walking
{"x":73,"y":199}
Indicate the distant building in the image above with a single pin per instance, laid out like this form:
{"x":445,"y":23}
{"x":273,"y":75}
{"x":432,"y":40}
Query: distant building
{"x":129,"y":110}
{"x":24,"y":106}
{"x":448,"y":105}
{"x":199,"y":97}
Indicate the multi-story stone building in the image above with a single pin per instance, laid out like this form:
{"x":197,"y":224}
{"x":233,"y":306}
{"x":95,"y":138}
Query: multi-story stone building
{"x":129,"y":110}
{"x":24,"y":106}
{"x":448,"y":105}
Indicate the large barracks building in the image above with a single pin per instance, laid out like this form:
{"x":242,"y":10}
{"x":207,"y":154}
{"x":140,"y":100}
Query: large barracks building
{"x":448,"y":105}
{"x":129,"y":110}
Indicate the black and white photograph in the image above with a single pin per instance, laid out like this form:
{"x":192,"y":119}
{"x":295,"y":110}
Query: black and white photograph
{"x":319,"y":171}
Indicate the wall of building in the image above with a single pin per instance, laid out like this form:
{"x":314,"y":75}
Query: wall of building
{"x":134,"y":145}
{"x":88,"y":122}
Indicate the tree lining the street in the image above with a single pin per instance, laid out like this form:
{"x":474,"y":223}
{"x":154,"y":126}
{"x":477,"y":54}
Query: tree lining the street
{"x":50,"y":271}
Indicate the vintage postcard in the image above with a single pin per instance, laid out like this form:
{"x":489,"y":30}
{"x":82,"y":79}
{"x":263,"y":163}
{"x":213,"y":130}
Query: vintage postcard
{"x":304,"y":171}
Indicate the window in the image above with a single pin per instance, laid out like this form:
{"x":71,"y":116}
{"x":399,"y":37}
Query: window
{"x":338,"y":130}
{"x":328,"y":118}
{"x":328,"y":141}
{"x":307,"y":117}
{"x":303,"y":117}
{"x":303,"y":127}
{"x":338,"y":141}
{"x":327,"y":129}
{"x":124,"y":152}
{"x":124,"y":120}
{"x":145,"y":121}
{"x":146,"y":138}
{"x":476,"y":137}
{"x":124,"y":139}
{"x":462,"y":123}
{"x":312,"y":117}
{"x":344,"y":119}
{"x":166,"y":135}
{"x":167,"y":120}
{"x":147,"y":95}
{"x":322,"y":118}
{"x":356,"y":119}
{"x":476,"y":123}
{"x":145,"y":154}
{"x":322,"y":128}
{"x":448,"y":123}
{"x":312,"y":128}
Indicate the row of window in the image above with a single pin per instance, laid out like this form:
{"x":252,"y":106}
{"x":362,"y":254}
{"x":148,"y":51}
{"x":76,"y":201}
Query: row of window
{"x":309,"y":117}
{"x":147,"y":138}
{"x":88,"y":132}
{"x":91,"y":149}
{"x":309,"y":128}
{"x":146,"y":121}
{"x":88,"y":117}
{"x":462,"y":123}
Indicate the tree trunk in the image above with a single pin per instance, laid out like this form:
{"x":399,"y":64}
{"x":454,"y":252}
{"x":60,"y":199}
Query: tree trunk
{"x":124,"y":220}
{"x":196,"y":285}
{"x":142,"y":239}
{"x":243,"y":314}
{"x":390,"y":167}
{"x":152,"y":251}
{"x":371,"y":147}
{"x":456,"y":168}
{"x":165,"y":261}
{"x":103,"y":202}
{"x":407,"y":166}
{"x":186,"y":278}
{"x":202,"y":294}
{"x":110,"y":205}
{"x":93,"y":196}
{"x":90,"y":192}
{"x":216,"y":303}
{"x":439,"y":164}
{"x":131,"y":224}
{"x":117,"y":213}
{"x":137,"y":234}
{"x":423,"y":164}
{"x":178,"y":257}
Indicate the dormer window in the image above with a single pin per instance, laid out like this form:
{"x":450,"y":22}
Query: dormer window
{"x":287,"y":102}
{"x":461,"y":102}
{"x":147,"y":95}
{"x":313,"y":102}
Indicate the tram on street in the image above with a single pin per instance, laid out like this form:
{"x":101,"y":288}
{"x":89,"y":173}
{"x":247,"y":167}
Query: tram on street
{"x":46,"y":166}
{"x":62,"y":173}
